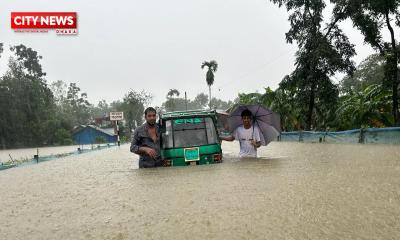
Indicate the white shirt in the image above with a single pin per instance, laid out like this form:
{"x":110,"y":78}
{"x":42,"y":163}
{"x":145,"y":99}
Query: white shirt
{"x":245,"y":136}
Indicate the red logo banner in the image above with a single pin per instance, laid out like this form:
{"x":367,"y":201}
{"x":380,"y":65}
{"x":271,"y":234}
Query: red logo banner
{"x":43,"y":20}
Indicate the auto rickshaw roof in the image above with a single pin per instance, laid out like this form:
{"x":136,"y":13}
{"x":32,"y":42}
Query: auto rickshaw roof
{"x":186,"y":114}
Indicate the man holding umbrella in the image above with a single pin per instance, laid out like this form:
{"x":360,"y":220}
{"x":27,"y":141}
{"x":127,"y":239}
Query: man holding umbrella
{"x":253,"y":126}
{"x":247,"y":135}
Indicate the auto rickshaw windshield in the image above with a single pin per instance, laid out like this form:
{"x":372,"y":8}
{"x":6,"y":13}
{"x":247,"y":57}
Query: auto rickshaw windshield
{"x":189,"y":132}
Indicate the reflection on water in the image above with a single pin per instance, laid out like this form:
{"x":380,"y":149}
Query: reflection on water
{"x":293,"y":191}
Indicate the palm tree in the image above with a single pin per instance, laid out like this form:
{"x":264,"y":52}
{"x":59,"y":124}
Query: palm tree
{"x":212,"y":68}
{"x":173,"y":92}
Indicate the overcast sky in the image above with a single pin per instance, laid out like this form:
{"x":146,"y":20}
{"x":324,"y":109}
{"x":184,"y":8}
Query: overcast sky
{"x":156,"y":45}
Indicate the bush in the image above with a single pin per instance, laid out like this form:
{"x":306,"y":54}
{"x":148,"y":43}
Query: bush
{"x":63,"y":137}
{"x":67,"y":141}
{"x":124,"y":139}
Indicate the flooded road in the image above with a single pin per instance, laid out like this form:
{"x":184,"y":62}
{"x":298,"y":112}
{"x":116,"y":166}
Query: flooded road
{"x":294,"y":191}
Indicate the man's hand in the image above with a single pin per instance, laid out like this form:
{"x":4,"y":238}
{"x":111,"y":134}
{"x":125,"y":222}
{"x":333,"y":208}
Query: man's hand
{"x":255,"y":144}
{"x":149,"y":151}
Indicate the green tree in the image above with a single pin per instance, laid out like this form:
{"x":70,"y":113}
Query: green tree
{"x":251,"y":98}
{"x":323,"y":51}
{"x":64,"y":114}
{"x":173,"y":100}
{"x":370,"y":71}
{"x":200,"y":101}
{"x":79,"y":106}
{"x":265,"y":99}
{"x":63,"y":137}
{"x":176,"y":104}
{"x":27,"y":105}
{"x":373,"y":18}
{"x":367,"y":108}
{"x":133,"y":107}
{"x":284,"y":103}
{"x":59,"y":89}
{"x":212,"y":68}
{"x":220,"y":104}
{"x":3,"y":92}
{"x":101,"y":109}
{"x":29,"y":59}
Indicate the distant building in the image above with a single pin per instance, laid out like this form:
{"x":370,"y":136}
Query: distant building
{"x":90,"y":134}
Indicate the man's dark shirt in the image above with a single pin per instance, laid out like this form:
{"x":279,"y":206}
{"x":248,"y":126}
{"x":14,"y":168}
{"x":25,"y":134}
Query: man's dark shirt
{"x":141,"y":138}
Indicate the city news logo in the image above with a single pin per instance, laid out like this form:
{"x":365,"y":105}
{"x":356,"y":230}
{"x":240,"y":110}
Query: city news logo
{"x":64,"y":23}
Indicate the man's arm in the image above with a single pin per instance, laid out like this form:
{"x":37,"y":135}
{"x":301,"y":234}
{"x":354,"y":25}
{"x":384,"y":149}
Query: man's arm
{"x":135,"y":141}
{"x":232,"y":137}
{"x":229,"y":139}
{"x":257,"y":139}
{"x":136,"y":148}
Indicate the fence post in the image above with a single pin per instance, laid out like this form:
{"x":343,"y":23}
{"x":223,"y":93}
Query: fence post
{"x":36,"y":156}
{"x":361,"y":138}
{"x":301,"y":136}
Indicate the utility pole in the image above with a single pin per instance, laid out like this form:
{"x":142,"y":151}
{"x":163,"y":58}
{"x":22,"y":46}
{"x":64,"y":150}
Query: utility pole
{"x":186,"y":100}
{"x":119,"y":143}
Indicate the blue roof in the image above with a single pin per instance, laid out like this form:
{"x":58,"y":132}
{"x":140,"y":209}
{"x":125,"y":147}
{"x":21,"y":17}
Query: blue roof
{"x":108,"y":131}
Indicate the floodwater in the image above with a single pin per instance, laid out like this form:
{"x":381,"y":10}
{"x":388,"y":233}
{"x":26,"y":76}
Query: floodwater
{"x":294,"y":191}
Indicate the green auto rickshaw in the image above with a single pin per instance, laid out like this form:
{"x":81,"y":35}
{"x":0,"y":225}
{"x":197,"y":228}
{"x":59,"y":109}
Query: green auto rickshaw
{"x":190,"y":138}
